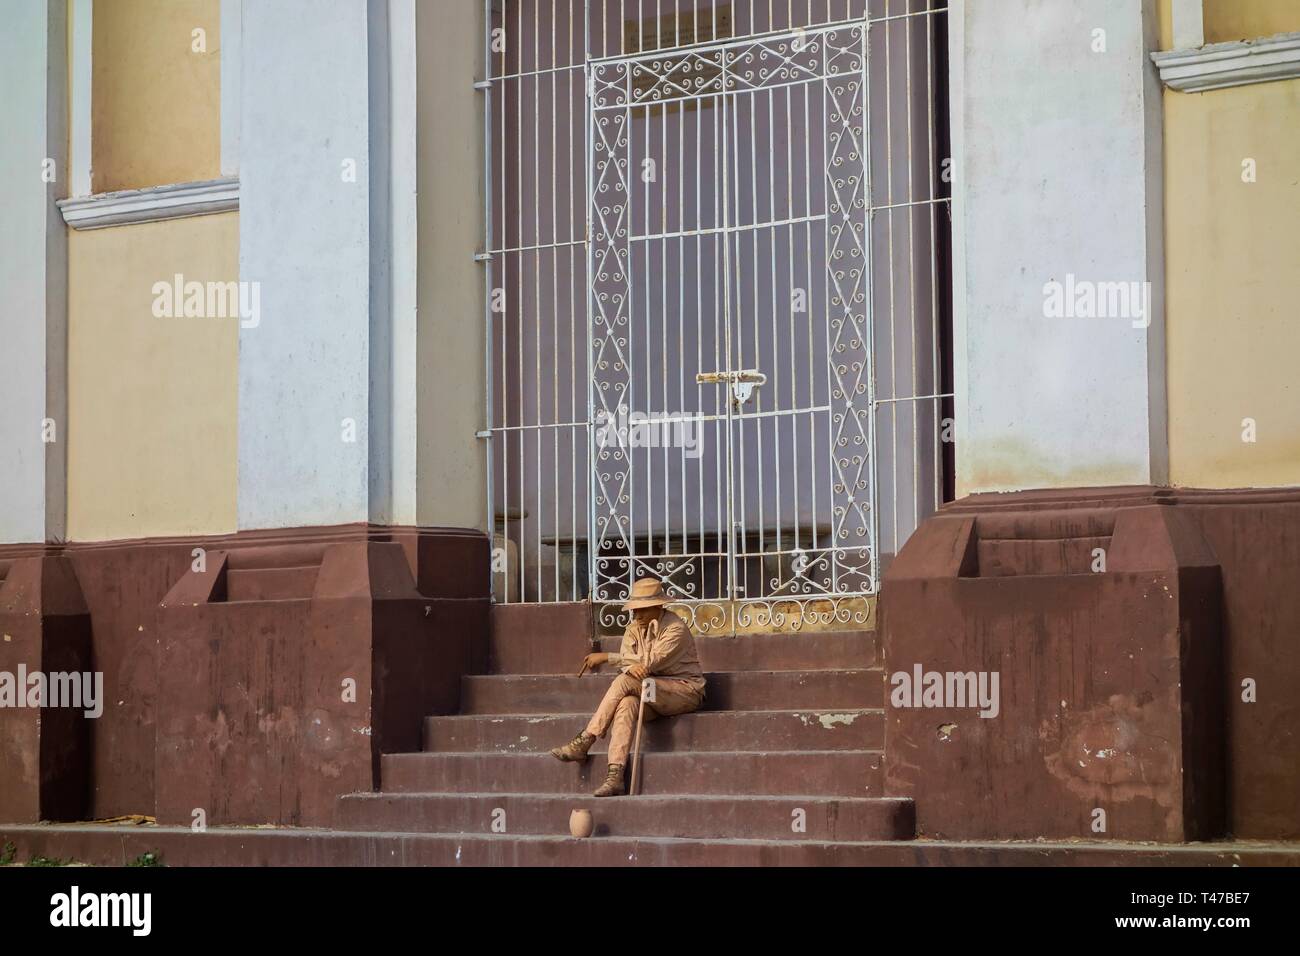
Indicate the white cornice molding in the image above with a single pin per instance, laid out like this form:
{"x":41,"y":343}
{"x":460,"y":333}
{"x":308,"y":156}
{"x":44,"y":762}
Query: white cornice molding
{"x":1220,"y":65}
{"x":157,"y":203}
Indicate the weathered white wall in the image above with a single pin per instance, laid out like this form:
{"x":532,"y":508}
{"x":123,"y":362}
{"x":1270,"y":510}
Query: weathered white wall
{"x":393,"y":240}
{"x":451,"y":462}
{"x":1057,"y":161}
{"x":371,"y":299}
{"x":305,"y":236}
{"x":33,"y":269}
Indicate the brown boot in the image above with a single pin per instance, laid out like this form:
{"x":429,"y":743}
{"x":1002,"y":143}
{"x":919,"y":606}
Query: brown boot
{"x":576,"y":749}
{"x":613,"y":785}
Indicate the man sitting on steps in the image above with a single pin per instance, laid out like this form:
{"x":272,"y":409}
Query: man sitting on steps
{"x":657,"y":644}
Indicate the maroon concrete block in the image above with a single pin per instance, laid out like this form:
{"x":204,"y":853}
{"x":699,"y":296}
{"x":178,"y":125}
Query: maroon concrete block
{"x":1256,"y":538}
{"x":1108,"y":681}
{"x":44,"y":750}
{"x":271,"y":706}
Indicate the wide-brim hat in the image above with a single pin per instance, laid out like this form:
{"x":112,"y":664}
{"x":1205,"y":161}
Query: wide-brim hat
{"x":647,"y":592}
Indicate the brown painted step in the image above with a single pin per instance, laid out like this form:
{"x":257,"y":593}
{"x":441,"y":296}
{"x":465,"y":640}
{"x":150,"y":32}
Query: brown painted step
{"x":271,"y":584}
{"x":116,"y":845}
{"x":692,"y":817}
{"x":826,"y":650}
{"x":516,"y":650}
{"x":736,"y":690}
{"x":831,"y":773}
{"x":850,"y":729}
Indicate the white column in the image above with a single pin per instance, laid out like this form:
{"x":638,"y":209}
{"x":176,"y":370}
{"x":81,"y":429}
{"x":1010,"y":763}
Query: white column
{"x":33,"y":271}
{"x":452,"y":383}
{"x":393,"y":262}
{"x":305,"y":239}
{"x":1056,"y":114}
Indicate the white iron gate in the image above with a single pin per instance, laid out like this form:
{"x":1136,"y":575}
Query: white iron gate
{"x":729,"y":323}
{"x":688,"y":380}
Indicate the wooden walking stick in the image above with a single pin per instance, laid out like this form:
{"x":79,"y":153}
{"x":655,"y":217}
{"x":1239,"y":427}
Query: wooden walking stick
{"x":636,"y":743}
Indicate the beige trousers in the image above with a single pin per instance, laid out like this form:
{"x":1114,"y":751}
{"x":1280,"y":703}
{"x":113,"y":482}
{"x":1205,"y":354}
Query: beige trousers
{"x":617,"y":712}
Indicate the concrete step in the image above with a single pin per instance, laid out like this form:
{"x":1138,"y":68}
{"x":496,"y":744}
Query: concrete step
{"x":763,"y":730}
{"x":114,"y":845}
{"x":735,"y":690}
{"x":813,"y":650}
{"x":271,"y":584}
{"x":518,"y":647}
{"x":692,"y":817}
{"x":831,"y":773}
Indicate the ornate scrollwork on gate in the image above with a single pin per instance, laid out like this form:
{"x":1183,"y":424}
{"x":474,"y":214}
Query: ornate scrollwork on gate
{"x":825,"y":581}
{"x":852,"y":567}
{"x":610,"y":321}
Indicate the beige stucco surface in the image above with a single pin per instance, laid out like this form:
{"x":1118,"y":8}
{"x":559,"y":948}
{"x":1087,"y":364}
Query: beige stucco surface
{"x":1165,"y":23}
{"x":1233,"y":284}
{"x":452,"y":476}
{"x":1248,"y":19}
{"x":1227,"y":20}
{"x":156,"y":104}
{"x":152,"y":401}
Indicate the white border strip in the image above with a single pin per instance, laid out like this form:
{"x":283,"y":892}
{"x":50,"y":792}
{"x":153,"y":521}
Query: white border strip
{"x":1238,"y":63}
{"x":232,"y":41}
{"x":151,"y":205}
{"x":83,"y":21}
{"x":1188,"y":24}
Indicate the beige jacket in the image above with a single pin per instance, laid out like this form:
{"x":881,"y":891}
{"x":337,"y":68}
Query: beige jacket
{"x":666,"y":646}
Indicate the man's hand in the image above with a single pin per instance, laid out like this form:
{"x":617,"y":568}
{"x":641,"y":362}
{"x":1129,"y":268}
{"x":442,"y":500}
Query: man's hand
{"x":638,"y":672}
{"x":592,"y":661}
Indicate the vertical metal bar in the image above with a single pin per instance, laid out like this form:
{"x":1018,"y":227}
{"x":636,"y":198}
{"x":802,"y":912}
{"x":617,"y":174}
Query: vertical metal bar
{"x":585,"y":75}
{"x":523,"y":535}
{"x":911,"y":289}
{"x":537,"y":290}
{"x":812,"y":306}
{"x":869,"y":273}
{"x":718,"y":258}
{"x":593,"y":456}
{"x":936,"y":377}
{"x":509,"y":296}
{"x":555,"y":332}
{"x":725,"y":156}
{"x":661,"y":181}
{"x":699,"y":338}
{"x":794,"y":375}
{"x":893,"y":315}
{"x":488,"y":273}
{"x":680,"y":180}
{"x":573,"y":323}
{"x":773,"y":218}
{"x":753,"y":223}
{"x":827,"y":256}
{"x":648,"y":316}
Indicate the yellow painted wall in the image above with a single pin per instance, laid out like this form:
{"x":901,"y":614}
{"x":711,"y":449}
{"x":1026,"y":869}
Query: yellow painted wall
{"x":152,"y":402}
{"x":1248,"y":19}
{"x":1227,"y":20}
{"x":1233,"y":284}
{"x":156,"y":104}
{"x":1165,"y":19}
